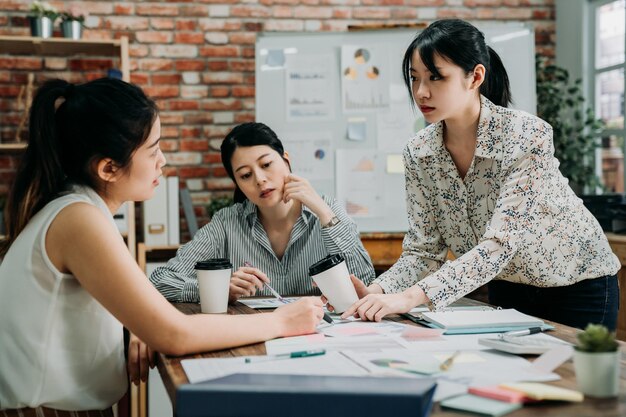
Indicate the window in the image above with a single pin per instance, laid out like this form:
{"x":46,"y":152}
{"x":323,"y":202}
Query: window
{"x":608,"y":22}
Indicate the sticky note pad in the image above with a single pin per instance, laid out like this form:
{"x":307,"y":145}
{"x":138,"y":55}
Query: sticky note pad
{"x":539,"y":391}
{"x":474,"y":404}
{"x":500,"y":394}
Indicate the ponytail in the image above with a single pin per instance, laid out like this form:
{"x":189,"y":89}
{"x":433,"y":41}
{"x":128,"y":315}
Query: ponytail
{"x":39,"y":176}
{"x":70,"y":127}
{"x":464,"y":45}
{"x":496,"y":86}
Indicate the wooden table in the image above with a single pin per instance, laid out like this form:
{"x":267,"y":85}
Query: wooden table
{"x":173,"y":375}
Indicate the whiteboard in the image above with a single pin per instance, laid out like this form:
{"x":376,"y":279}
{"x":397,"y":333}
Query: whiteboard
{"x":348,"y":140}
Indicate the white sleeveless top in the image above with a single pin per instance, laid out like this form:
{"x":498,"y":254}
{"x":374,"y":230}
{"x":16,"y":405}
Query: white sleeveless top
{"x":59,"y":347}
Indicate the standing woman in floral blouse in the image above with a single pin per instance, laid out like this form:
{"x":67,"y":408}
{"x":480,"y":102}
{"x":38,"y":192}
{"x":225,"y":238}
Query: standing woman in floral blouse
{"x":482,"y":182}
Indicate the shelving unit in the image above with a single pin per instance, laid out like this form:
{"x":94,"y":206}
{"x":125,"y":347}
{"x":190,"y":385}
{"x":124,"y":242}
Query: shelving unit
{"x":62,"y":47}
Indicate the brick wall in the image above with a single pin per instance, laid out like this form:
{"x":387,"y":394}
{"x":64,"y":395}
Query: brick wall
{"x":196,"y":58}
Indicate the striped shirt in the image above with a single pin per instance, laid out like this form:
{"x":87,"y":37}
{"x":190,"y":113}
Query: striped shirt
{"x":236,"y":233}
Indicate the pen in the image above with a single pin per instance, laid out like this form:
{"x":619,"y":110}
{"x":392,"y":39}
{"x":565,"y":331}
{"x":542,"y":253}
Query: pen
{"x":269,"y":287}
{"x":445,"y":365}
{"x":292,"y":355}
{"x":524,"y":332}
{"x":326,"y":317}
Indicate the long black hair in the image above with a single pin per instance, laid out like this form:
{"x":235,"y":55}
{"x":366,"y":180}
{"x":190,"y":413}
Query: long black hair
{"x":464,"y":45}
{"x":70,"y":127}
{"x":247,"y":134}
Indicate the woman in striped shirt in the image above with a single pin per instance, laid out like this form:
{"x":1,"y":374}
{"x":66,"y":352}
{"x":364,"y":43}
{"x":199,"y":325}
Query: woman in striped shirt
{"x":277,"y":228}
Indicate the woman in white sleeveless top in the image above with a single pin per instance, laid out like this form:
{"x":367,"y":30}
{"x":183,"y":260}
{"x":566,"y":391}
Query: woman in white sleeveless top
{"x":68,"y":283}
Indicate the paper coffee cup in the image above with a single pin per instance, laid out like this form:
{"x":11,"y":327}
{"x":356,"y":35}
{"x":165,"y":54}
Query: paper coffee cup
{"x":213,"y":284}
{"x":333,"y":279}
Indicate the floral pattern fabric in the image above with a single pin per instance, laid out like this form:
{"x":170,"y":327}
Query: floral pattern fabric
{"x":513,"y":217}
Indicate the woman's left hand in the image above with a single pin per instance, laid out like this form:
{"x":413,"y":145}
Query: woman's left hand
{"x":140,"y":359}
{"x":373,"y":307}
{"x":300,"y":189}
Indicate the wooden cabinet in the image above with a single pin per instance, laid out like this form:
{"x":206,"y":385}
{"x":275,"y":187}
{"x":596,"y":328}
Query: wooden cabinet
{"x":61,"y":47}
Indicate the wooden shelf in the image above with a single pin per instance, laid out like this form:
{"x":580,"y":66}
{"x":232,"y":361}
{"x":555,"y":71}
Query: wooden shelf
{"x":12,"y":147}
{"x":28,"y":45}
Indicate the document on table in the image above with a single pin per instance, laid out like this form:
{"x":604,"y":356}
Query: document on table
{"x":262,"y":303}
{"x":332,"y":363}
{"x":366,"y":343}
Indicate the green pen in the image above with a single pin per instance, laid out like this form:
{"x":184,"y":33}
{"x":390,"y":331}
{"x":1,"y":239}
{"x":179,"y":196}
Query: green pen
{"x":292,"y":355}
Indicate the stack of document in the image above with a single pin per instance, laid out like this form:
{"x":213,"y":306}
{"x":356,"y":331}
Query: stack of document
{"x":490,"y":321}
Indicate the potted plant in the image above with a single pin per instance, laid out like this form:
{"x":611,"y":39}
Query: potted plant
{"x":218,"y":203}
{"x":596,"y":362}
{"x":72,"y":22}
{"x":42,"y":16}
{"x":575,"y":128}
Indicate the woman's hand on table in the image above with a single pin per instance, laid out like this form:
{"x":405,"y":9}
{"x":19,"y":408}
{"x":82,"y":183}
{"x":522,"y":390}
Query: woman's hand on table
{"x":300,"y":317}
{"x":245,"y":282}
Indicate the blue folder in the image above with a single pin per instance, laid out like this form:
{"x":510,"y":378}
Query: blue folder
{"x":265,"y":395}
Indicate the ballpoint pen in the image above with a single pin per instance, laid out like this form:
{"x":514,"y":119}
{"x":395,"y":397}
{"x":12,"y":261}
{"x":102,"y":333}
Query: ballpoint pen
{"x":525,"y":332}
{"x":445,"y":365}
{"x":326,"y":317}
{"x":292,"y":355}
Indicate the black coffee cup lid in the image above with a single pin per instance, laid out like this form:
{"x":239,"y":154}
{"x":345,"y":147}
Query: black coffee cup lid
{"x":325,"y":264}
{"x":214,"y":264}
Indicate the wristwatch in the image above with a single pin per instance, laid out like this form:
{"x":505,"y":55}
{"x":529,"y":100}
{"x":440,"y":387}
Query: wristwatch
{"x":332,"y":222}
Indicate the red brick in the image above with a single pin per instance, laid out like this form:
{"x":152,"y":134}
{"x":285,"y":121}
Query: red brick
{"x":156,"y":9}
{"x":190,"y":132}
{"x":513,"y":13}
{"x":125,"y":23}
{"x":138,"y":51}
{"x":199,"y":11}
{"x":247,"y":52}
{"x":84,"y":64}
{"x":228,"y":104}
{"x":218,"y":65}
{"x":21,"y":63}
{"x":168,"y":118}
{"x":250,"y":11}
{"x":186,"y":24}
{"x":198,"y":118}
{"x":212,"y":158}
{"x":14,"y":5}
{"x":162,"y":23}
{"x":157,"y":91}
{"x":168,"y":145}
{"x":139,"y":78}
{"x":243,"y":38}
{"x":9,"y":90}
{"x":241,"y":65}
{"x":194,"y":91}
{"x":282,"y":11}
{"x":226,"y":51}
{"x":371,"y":13}
{"x":479,"y":3}
{"x":219,"y":91}
{"x":194,"y":145}
{"x":254,"y":26}
{"x":154,"y":37}
{"x":244,"y":117}
{"x":194,"y":172}
{"x":123,"y":9}
{"x":189,"y":37}
{"x":5,"y":76}
{"x":156,"y":64}
{"x":241,"y":91}
{"x":159,"y":79}
{"x":283,"y":25}
{"x":429,"y":3}
{"x":409,"y":14}
{"x":184,"y":105}
{"x":457,"y":13}
{"x":342,"y":13}
{"x":543,"y":14}
{"x":215,"y":24}
{"x":219,"y":172}
{"x":190,"y":65}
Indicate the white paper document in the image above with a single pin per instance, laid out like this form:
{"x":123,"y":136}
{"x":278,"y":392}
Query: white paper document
{"x":308,"y":85}
{"x":332,"y":363}
{"x":364,"y":343}
{"x":270,"y":302}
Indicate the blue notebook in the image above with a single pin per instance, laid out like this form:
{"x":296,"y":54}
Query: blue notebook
{"x":268,"y":395}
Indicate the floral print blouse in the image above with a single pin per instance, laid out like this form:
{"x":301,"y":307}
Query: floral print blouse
{"x":513,"y":217}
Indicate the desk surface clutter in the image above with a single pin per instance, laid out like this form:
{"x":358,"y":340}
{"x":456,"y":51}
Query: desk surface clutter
{"x":397,"y":350}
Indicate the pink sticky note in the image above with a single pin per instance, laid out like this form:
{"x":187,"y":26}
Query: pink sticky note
{"x":414,"y":332}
